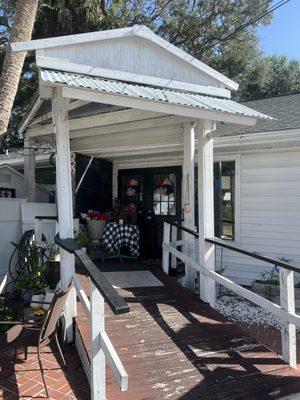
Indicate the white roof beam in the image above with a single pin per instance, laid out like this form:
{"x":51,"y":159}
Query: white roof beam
{"x":130,"y":150}
{"x":70,"y":39}
{"x":155,"y":106}
{"x":75,"y":104}
{"x":94,"y":121}
{"x":158,"y":122}
{"x":30,"y":115}
{"x":142,"y":137}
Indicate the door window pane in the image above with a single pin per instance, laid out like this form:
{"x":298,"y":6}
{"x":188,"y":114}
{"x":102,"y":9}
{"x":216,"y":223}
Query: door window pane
{"x":132,"y":190}
{"x":164,"y":194}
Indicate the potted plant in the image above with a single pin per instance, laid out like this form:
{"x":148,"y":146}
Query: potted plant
{"x":95,"y":224}
{"x":31,"y":280}
{"x":82,"y":239}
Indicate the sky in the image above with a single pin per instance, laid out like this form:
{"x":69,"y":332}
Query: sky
{"x":282,"y":36}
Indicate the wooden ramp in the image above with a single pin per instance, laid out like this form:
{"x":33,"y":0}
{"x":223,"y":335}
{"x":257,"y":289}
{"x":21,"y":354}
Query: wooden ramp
{"x":175,"y":347}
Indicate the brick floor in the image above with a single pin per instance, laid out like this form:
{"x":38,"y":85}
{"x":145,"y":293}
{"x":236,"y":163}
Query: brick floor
{"x":23,"y":380}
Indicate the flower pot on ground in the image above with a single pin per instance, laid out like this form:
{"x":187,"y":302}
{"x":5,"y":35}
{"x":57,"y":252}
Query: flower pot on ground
{"x":95,"y":230}
{"x":95,"y":223}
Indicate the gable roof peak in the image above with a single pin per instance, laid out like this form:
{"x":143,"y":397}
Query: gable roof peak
{"x":140,"y":31}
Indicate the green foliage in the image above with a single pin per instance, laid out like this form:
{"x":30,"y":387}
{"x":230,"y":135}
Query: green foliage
{"x":81,"y":238}
{"x":269,"y":279}
{"x":6,"y":314}
{"x":33,"y":277}
{"x":270,"y":76}
{"x":221,"y":33}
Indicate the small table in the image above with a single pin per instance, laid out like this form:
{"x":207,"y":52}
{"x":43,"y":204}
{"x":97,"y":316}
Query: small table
{"x":116,"y":236}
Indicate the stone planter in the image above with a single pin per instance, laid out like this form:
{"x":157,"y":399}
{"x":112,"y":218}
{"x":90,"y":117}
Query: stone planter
{"x":95,"y":230}
{"x":272,"y":292}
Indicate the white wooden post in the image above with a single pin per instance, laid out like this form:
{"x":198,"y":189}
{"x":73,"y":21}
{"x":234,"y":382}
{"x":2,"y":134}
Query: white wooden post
{"x":29,"y":170}
{"x":166,"y":254}
{"x":64,"y":200}
{"x":174,"y":240}
{"x":38,"y":230}
{"x":188,"y":197}
{"x":206,"y":209}
{"x":97,"y":356}
{"x":287,"y":302}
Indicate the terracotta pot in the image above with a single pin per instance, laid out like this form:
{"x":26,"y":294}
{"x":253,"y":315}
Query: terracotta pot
{"x":95,"y":230}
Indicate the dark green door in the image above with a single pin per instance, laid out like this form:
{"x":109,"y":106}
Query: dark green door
{"x":156,"y":193}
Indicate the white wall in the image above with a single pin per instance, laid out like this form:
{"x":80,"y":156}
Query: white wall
{"x":10,"y":230}
{"x":14,"y":180}
{"x":267,"y":207}
{"x":269,"y":212}
{"x":16,"y":216}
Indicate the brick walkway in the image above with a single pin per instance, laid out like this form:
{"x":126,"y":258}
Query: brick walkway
{"x":23,"y":379}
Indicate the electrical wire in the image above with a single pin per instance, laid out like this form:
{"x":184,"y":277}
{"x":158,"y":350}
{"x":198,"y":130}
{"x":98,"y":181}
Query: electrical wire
{"x":159,"y":13}
{"x":251,"y":22}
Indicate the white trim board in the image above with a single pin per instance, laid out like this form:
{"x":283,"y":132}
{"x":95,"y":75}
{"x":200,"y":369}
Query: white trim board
{"x":155,"y":106}
{"x":137,"y":30}
{"x":273,"y":137}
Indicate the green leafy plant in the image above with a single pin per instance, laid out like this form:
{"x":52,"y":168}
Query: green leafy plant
{"x":6,"y":314}
{"x":35,"y":263}
{"x":271,"y":278}
{"x":81,"y":238}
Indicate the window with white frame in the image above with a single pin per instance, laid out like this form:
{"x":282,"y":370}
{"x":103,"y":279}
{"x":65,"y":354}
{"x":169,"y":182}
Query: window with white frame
{"x":224,"y":199}
{"x":226,"y":193}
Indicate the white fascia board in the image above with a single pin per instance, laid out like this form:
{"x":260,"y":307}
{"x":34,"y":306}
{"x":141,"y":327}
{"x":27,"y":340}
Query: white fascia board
{"x":60,"y":41}
{"x":156,"y":106}
{"x":146,"y":33}
{"x":258,"y":138}
{"x":65,"y":65}
{"x":30,"y":115}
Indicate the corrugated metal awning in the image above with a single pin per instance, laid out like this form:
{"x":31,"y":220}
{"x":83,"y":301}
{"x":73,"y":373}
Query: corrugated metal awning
{"x":166,"y":96}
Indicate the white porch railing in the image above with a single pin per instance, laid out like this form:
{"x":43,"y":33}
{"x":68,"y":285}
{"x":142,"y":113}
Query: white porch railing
{"x":285,"y":311}
{"x":102,"y":349}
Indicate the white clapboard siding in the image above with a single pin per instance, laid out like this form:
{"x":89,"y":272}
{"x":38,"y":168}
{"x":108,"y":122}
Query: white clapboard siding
{"x":123,"y":55}
{"x":269,"y":213}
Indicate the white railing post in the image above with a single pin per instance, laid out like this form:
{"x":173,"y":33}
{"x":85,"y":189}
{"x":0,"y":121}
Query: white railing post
{"x":174,"y":241}
{"x":287,"y":302}
{"x":97,"y":355}
{"x":38,"y":230}
{"x":166,"y":253}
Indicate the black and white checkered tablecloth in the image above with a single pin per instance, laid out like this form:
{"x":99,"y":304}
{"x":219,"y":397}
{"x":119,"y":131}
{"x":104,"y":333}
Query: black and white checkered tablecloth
{"x":115,"y":236}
